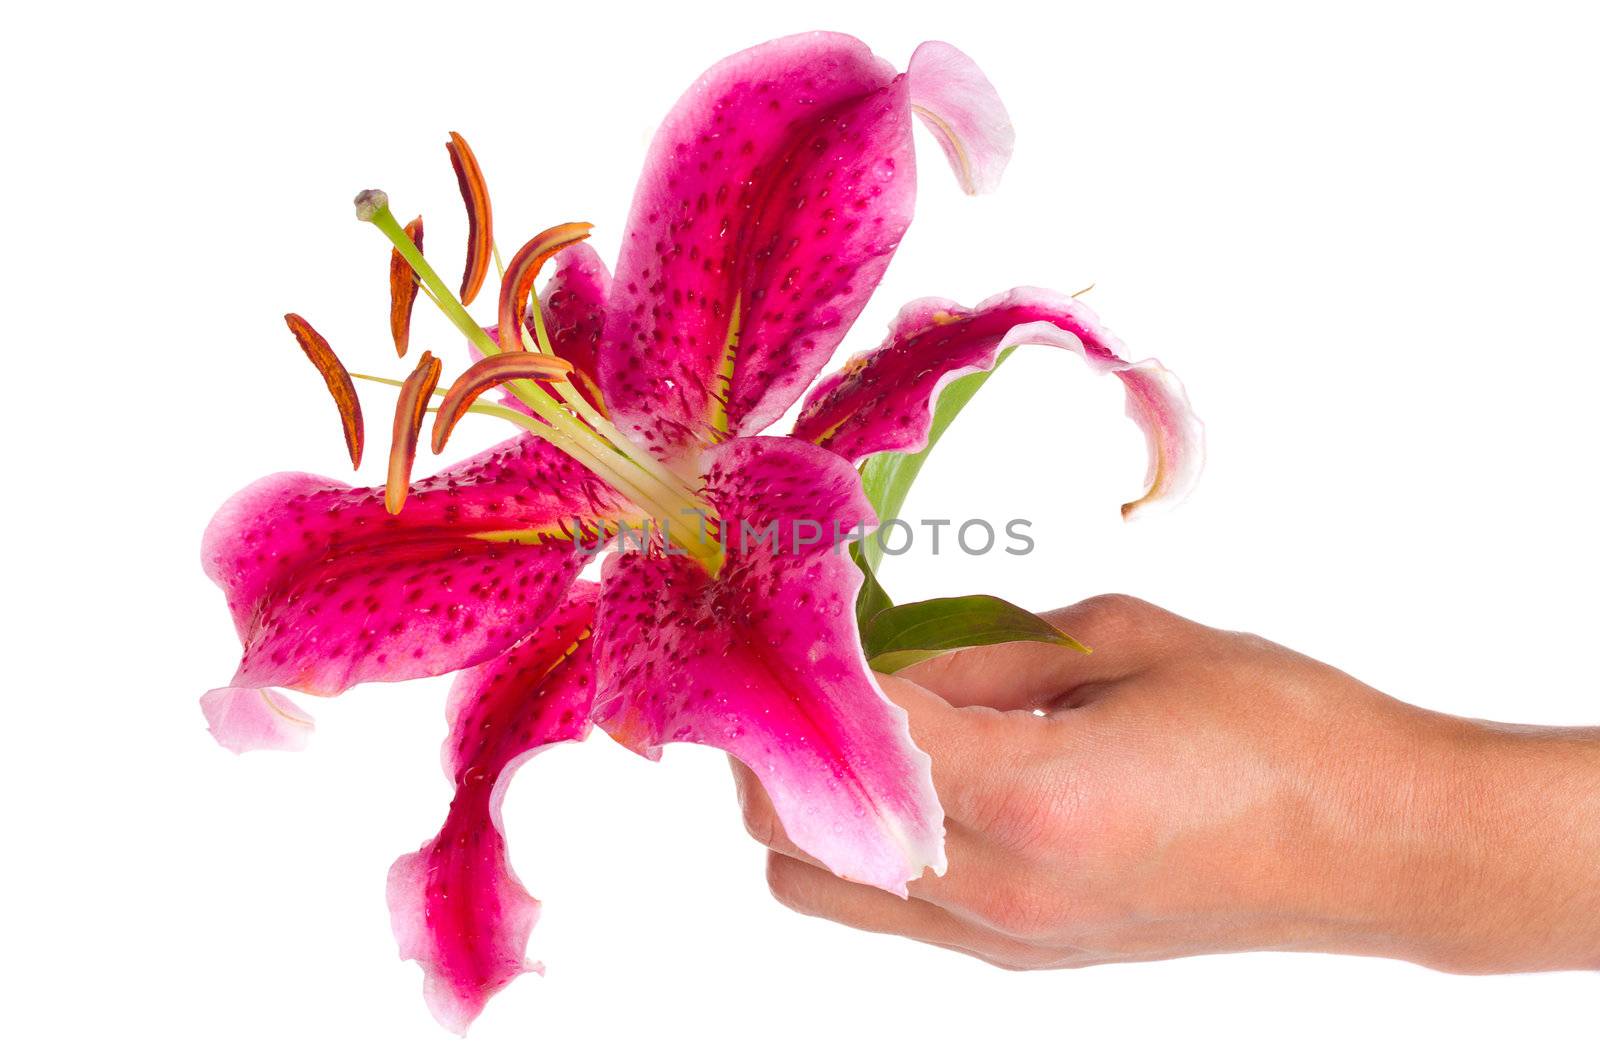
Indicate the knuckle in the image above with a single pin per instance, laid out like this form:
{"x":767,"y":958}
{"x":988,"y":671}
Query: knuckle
{"x":1115,"y":610}
{"x":1112,"y":618}
{"x":1028,"y":809}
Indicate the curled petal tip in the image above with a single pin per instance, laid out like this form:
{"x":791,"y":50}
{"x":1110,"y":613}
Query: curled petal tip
{"x":255,"y":718}
{"x":1175,"y":437}
{"x":369,"y":202}
{"x":337,"y":378}
{"x":963,"y":111}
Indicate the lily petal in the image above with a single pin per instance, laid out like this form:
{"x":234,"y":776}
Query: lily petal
{"x":457,"y":907}
{"x":327,"y":589}
{"x":574,"y":305}
{"x":245,"y":718}
{"x":883,"y":399}
{"x":764,"y":662}
{"x":964,"y":113}
{"x":772,"y":199}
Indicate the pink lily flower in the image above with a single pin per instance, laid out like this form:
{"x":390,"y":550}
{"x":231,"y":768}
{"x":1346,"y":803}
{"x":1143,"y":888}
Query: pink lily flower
{"x":772,"y":200}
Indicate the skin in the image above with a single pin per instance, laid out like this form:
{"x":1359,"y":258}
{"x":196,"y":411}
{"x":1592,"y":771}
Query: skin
{"x":1188,"y":791}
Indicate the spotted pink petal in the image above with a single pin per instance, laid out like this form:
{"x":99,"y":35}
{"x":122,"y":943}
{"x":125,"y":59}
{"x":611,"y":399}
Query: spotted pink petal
{"x":327,"y":589}
{"x":457,"y":907}
{"x":255,"y":718}
{"x":883,"y":399}
{"x":772,"y":199}
{"x":574,"y":307}
{"x":764,"y":662}
{"x":964,"y":113}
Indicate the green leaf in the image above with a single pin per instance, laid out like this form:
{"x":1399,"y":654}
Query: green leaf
{"x":872,"y":599}
{"x":887,"y":477}
{"x":904,"y":635}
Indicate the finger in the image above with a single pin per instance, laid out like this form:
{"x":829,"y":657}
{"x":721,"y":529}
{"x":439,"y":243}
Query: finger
{"x":811,"y":891}
{"x":1009,"y":676}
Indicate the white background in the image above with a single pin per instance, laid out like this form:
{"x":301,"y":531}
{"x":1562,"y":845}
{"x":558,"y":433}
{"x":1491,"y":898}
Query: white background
{"x":1364,"y":236}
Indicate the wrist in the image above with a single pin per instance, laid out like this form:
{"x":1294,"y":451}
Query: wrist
{"x":1484,"y":841}
{"x":1521,"y":892}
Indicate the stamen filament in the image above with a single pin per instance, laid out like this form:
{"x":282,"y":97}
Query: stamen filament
{"x":540,"y":336}
{"x":390,"y":381}
{"x":575,"y":400}
{"x":637,"y":490}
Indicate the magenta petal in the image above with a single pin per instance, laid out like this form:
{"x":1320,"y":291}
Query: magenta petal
{"x":574,"y":306}
{"x":964,"y":113}
{"x":457,"y":907}
{"x":777,"y":189}
{"x":255,"y":718}
{"x":764,"y":662}
{"x":883,"y":399}
{"x":327,"y":589}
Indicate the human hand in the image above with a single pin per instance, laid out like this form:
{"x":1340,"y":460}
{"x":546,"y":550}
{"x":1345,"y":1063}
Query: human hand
{"x":1188,"y":790}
